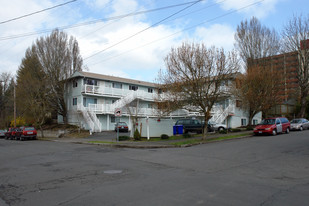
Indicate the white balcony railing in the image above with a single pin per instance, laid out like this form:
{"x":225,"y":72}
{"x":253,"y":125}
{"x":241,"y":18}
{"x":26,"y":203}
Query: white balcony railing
{"x":114,"y":92}
{"x":109,"y":109}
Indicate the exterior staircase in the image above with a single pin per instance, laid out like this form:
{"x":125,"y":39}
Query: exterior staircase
{"x":124,"y":100}
{"x":90,"y":118}
{"x":221,"y":114}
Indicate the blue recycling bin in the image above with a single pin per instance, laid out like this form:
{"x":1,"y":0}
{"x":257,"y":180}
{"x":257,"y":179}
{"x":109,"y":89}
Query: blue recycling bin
{"x":174,"y":130}
{"x":177,"y":129}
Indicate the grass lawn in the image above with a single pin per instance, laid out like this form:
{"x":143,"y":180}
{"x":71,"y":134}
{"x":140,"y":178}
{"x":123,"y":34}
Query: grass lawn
{"x":197,"y":141}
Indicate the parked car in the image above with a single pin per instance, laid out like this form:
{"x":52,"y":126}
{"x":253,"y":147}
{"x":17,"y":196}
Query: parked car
{"x":122,"y":126}
{"x":12,"y":132}
{"x":217,"y":127}
{"x":273,"y":126}
{"x":26,"y":133}
{"x":299,"y":124}
{"x":192,"y":125}
{"x":2,"y":133}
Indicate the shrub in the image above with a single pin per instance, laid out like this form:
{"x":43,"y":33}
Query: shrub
{"x":137,"y":135}
{"x":186,"y":135}
{"x":224,"y":131}
{"x":124,"y":138}
{"x":249,"y":128}
{"x":236,"y":130}
{"x":164,"y":136}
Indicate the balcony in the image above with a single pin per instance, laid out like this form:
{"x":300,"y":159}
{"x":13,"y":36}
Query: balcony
{"x":115,"y":92}
{"x":109,"y":109}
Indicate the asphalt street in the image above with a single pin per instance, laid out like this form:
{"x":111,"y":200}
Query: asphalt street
{"x":264,"y":170}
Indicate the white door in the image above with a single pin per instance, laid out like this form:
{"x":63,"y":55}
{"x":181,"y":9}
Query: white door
{"x":279,"y":126}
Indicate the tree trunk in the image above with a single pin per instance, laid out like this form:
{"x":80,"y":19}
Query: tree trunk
{"x":65,"y":118}
{"x":303,"y":102}
{"x":251,"y":115}
{"x":204,"y":137}
{"x":42,"y":131}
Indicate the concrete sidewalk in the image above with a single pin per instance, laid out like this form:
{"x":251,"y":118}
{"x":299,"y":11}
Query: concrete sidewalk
{"x":109,"y":140}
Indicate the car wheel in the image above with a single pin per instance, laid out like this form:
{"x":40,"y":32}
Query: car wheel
{"x":301,"y":128}
{"x":220,"y":129}
{"x":274,"y":132}
{"x":287,"y":130}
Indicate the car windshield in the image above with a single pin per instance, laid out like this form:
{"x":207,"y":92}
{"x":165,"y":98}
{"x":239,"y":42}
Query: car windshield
{"x":268,"y":121}
{"x":296,"y":121}
{"x":122,"y":124}
{"x":29,"y":128}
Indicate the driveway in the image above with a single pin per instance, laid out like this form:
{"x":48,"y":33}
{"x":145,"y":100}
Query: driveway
{"x":266,"y":170}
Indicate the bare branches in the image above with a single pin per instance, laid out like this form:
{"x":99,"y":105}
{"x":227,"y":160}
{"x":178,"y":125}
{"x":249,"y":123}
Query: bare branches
{"x":254,"y":41}
{"x":59,"y":57}
{"x":195,"y":74}
{"x":295,"y":39}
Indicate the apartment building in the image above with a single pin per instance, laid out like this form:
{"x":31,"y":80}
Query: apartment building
{"x":93,"y":99}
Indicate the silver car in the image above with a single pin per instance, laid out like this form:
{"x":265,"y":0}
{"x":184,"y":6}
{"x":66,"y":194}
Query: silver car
{"x":2,"y":133}
{"x":217,"y":127}
{"x":299,"y":124}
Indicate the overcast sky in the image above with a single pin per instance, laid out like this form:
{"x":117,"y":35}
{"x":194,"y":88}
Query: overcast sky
{"x":133,"y":46}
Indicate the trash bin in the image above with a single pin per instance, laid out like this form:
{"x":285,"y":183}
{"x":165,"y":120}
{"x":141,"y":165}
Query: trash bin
{"x":177,"y":129}
{"x":174,"y":130}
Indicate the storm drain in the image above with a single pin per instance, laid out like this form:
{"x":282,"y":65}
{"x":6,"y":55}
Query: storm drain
{"x":113,"y":171}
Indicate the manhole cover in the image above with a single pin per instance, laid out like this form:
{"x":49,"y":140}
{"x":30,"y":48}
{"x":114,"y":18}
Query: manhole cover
{"x":113,"y":171}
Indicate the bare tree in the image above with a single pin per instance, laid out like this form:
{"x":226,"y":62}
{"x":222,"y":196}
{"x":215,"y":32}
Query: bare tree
{"x":194,"y":76}
{"x":256,"y":91}
{"x":59,"y":58}
{"x":295,"y":39}
{"x":133,"y":109}
{"x":254,"y":41}
{"x":6,"y":96}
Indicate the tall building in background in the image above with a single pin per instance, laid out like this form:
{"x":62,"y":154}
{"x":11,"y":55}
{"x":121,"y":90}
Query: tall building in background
{"x":286,"y":65}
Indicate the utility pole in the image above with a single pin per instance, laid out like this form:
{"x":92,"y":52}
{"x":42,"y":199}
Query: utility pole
{"x":14,"y":105}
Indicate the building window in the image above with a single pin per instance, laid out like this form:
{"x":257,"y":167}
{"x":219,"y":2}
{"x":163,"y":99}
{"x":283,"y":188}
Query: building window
{"x":91,"y":82}
{"x":238,"y":103}
{"x":74,"y":83}
{"x":243,"y":122}
{"x":113,"y":101}
{"x":95,"y":101}
{"x":84,"y":101}
{"x":113,"y":119}
{"x":255,"y":122}
{"x":117,"y":85}
{"x":150,"y":90}
{"x":133,"y":87}
{"x":150,"y":106}
{"x":74,"y":101}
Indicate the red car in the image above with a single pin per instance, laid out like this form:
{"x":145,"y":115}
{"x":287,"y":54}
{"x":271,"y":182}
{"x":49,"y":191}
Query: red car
{"x":12,"y":132}
{"x":27,"y":133}
{"x":273,"y":126}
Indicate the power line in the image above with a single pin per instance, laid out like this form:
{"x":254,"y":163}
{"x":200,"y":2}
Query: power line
{"x":157,"y":23}
{"x":20,"y":17}
{"x":94,"y":21}
{"x":188,"y":28}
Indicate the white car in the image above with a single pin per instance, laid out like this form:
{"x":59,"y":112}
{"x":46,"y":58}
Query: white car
{"x":217,"y":127}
